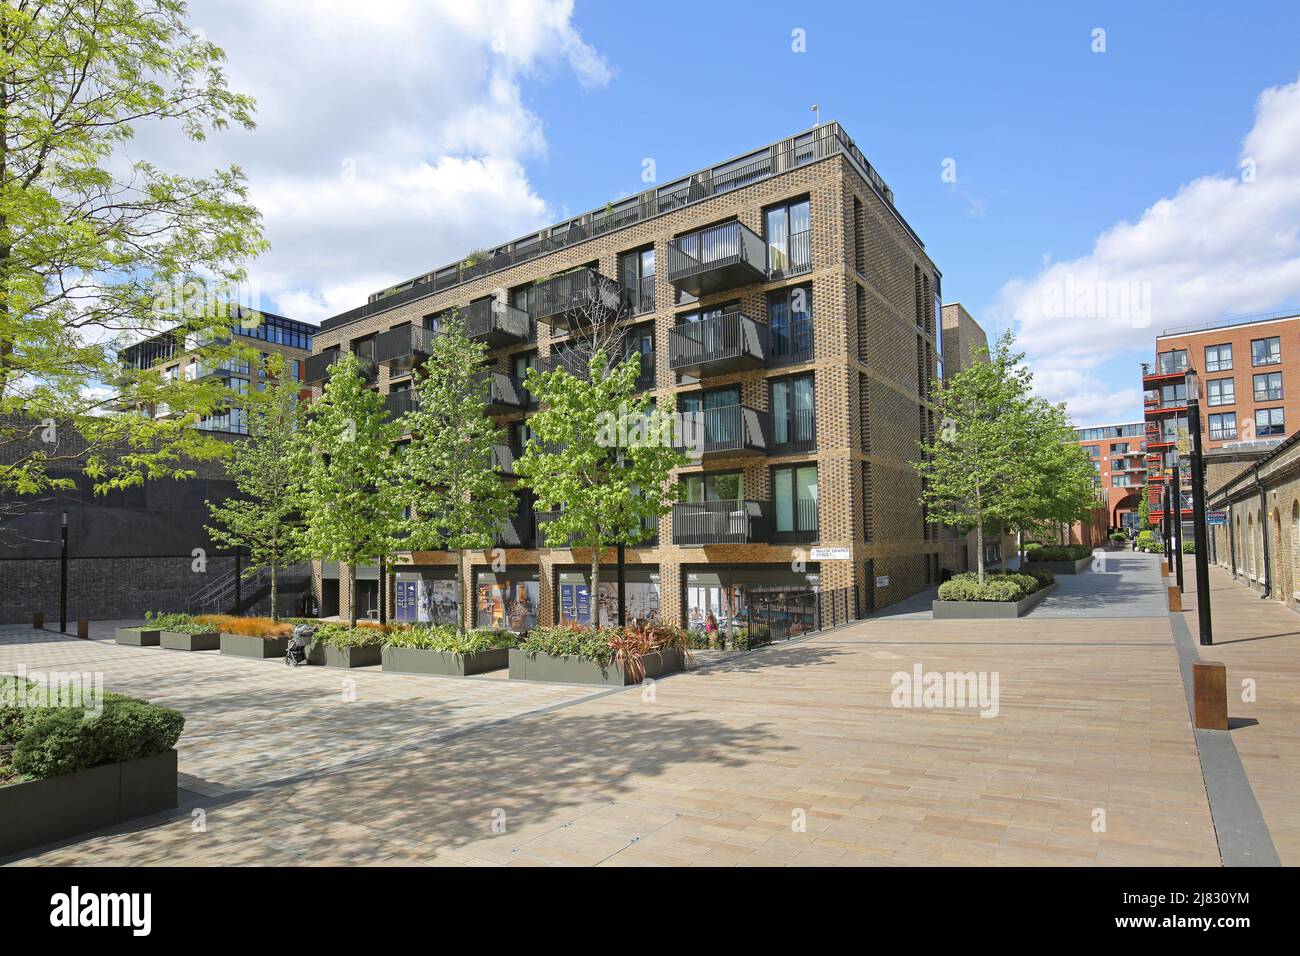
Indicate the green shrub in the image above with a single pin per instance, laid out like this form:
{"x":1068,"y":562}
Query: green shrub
{"x":1119,"y":536}
{"x":965,"y":587}
{"x":445,"y":637}
{"x":341,"y":635}
{"x":158,"y":621}
{"x":40,"y":742}
{"x":589,"y":643}
{"x":1059,"y":552}
{"x":1189,"y":547}
{"x":751,"y":636}
{"x":1146,"y":535}
{"x":697,"y":640}
{"x":1044,"y":578}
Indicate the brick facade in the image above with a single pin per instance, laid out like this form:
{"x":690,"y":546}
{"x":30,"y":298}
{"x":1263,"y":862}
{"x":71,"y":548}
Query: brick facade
{"x":874,"y":353}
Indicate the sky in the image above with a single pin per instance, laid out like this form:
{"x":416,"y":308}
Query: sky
{"x":1084,"y":174}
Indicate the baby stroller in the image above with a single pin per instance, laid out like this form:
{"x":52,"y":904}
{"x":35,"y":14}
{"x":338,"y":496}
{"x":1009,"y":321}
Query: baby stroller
{"x":296,"y":655}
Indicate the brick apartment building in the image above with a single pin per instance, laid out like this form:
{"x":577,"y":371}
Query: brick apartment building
{"x":825,"y":405}
{"x":1249,"y":373}
{"x":1118,"y":454}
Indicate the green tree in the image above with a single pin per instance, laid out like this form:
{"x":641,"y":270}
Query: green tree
{"x":1144,"y":509}
{"x":97,"y":251}
{"x":457,"y":499}
{"x":350,"y":498}
{"x":972,"y":474}
{"x":602,"y":456}
{"x":267,"y":468}
{"x":1057,"y":485}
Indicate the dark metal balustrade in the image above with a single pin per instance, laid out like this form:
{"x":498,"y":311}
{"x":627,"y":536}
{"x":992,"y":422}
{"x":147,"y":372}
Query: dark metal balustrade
{"x":716,"y":259}
{"x":496,"y":322}
{"x":404,"y":347}
{"x":697,"y":523}
{"x":731,"y":342}
{"x":729,"y":431}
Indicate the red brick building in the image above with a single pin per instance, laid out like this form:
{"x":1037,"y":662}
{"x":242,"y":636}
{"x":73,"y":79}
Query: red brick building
{"x":1118,"y":454}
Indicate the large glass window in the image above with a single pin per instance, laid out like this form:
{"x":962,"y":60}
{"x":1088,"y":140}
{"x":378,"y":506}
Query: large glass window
{"x":715,"y":486}
{"x":1268,"y":387}
{"x":1218,"y":358}
{"x":717,"y":412}
{"x":789,"y":231}
{"x":1220,"y":391}
{"x":1173,"y":394}
{"x":789,"y":318}
{"x":1269,"y":421}
{"x":794,"y":498}
{"x":1223,"y":427}
{"x":792,"y":411}
{"x":1172,"y":361}
{"x":638,"y":269}
{"x":1266,"y":351}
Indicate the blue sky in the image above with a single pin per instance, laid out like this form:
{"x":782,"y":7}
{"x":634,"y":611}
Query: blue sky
{"x":1055,"y":145}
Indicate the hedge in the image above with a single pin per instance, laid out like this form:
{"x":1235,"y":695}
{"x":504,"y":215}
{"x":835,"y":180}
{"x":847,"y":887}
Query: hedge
{"x":445,"y":637}
{"x":997,"y":586}
{"x":1064,"y":552}
{"x":39,"y":742}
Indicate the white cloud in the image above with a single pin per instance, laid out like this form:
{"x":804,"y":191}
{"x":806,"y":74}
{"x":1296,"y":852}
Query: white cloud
{"x":1222,"y":245}
{"x":392,"y":134}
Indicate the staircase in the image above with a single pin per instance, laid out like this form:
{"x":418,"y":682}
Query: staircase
{"x":218,"y":595}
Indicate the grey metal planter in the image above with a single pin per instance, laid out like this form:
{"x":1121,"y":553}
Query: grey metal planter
{"x":241,"y":645}
{"x":1062,"y":567}
{"x":990,"y":610}
{"x":185,"y":641}
{"x":42,"y":811}
{"x":356,"y":655}
{"x":579,"y":670}
{"x":138,"y":637}
{"x":419,"y":660}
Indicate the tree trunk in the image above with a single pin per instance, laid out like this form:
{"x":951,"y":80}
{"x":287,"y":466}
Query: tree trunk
{"x":1002,"y":554}
{"x":979,"y":551}
{"x":595,"y":586}
{"x":464,"y":606}
{"x":352,"y":593}
{"x":275,"y":594}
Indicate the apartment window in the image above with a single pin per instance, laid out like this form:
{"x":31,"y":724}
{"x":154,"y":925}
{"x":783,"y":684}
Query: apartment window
{"x":1269,"y":421}
{"x":789,"y":238}
{"x":1220,"y":391}
{"x":1268,"y":387}
{"x":1121,"y":481}
{"x":1172,"y":361}
{"x":1094,"y":451}
{"x":789,"y":319}
{"x":519,"y":366}
{"x":792,"y":412}
{"x":638,"y":272}
{"x":1218,"y":358}
{"x":794,"y":499}
{"x":1120,"y":448}
{"x":714,"y":486}
{"x":1174,"y":394}
{"x":859,"y":236}
{"x":364,"y":348}
{"x":1266,"y":351}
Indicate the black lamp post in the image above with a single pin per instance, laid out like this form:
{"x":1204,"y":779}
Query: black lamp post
{"x":1199,"y":531}
{"x":1176,"y":524}
{"x":63,"y":575}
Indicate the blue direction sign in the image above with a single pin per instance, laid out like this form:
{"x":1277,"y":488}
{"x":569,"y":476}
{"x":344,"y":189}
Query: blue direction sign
{"x":1216,"y":517}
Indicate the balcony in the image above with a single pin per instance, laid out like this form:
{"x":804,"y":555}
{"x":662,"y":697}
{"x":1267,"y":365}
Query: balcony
{"x":641,"y":296}
{"x":1160,"y":406}
{"x":518,"y":531}
{"x":544,"y":540}
{"x":315,"y":370}
{"x":572,"y":362}
{"x":505,"y":392}
{"x":562,"y":301}
{"x":794,"y":259}
{"x":730,"y":342}
{"x":727,"y":432}
{"x":397,"y":404}
{"x":697,"y":523}
{"x":496,"y":323}
{"x":404,"y":347}
{"x":503,"y":458}
{"x":645,"y":376}
{"x":716,"y":259}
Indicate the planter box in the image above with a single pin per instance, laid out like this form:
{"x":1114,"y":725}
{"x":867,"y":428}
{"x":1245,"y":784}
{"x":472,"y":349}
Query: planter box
{"x":1062,"y":567}
{"x":138,"y":637}
{"x":241,"y":645}
{"x":578,"y":670}
{"x":184,"y":641}
{"x":418,"y":660}
{"x":987,"y":610}
{"x":367,"y":655}
{"x":42,"y":811}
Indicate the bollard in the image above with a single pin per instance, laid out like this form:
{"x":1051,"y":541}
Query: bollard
{"x":1210,"y":695}
{"x":1175,"y":598}
{"x":83,"y":629}
{"x":1164,"y":570}
{"x":38,"y":620}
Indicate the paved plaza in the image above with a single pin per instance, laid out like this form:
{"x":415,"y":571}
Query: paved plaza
{"x":791,"y":755}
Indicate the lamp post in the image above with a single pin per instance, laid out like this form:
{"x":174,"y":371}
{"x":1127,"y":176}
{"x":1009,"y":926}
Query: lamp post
{"x":1176,"y":525}
{"x":63,"y":575}
{"x":1199,"y":531}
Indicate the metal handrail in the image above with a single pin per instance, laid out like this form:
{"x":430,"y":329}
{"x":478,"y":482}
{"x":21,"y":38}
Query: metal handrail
{"x":724,"y":336}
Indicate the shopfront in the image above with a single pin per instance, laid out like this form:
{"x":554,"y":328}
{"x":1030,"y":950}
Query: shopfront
{"x":574,"y":602}
{"x":507,"y":600}
{"x":427,"y":595}
{"x":772,"y":595}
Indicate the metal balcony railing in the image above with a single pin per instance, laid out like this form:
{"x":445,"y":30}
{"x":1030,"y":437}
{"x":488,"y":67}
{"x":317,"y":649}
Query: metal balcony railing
{"x":404,"y":347}
{"x":563,"y":300}
{"x":505,"y":393}
{"x":698,"y":523}
{"x":716,"y":259}
{"x":398,"y":403}
{"x":645,"y":378}
{"x":496,"y":322}
{"x":730,"y":342}
{"x":792,"y":258}
{"x":729,"y":430}
{"x":795,"y":520}
{"x":518,"y":531}
{"x":503,"y":458}
{"x":641,"y":296}
{"x":574,"y":363}
{"x":316,"y":368}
